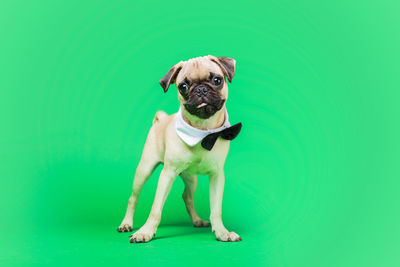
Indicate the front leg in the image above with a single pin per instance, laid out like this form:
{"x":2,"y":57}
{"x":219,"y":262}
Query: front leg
{"x":217,"y":181}
{"x":149,"y":229}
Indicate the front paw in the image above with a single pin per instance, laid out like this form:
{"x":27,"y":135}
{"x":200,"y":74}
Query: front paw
{"x":141,"y":236}
{"x":226,"y":236}
{"x":125,"y":227}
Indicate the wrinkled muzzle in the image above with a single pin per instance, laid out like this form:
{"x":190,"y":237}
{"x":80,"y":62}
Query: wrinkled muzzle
{"x":203,"y":101}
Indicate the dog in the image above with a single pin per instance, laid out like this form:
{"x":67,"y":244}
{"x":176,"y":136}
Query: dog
{"x":193,"y":141}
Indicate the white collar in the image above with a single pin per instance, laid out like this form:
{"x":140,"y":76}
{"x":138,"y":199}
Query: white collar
{"x":193,"y":136}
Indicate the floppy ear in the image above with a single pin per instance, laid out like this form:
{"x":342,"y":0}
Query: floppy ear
{"x":170,"y":77}
{"x":227,"y":64}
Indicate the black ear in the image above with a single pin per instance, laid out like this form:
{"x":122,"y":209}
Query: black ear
{"x":227,"y":64}
{"x":170,"y":77}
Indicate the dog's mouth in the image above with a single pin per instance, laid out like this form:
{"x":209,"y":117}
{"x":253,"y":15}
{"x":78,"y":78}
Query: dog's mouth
{"x":204,"y":109}
{"x":203,"y":104}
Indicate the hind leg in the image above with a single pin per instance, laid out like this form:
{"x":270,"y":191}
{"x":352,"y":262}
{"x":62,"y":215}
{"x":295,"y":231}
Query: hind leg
{"x":147,"y":164}
{"x":190,"y":182}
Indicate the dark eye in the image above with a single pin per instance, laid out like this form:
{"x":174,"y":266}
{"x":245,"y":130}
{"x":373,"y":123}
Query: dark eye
{"x":217,"y":80}
{"x":183,"y":88}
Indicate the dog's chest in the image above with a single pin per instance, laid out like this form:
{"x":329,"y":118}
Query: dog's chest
{"x":199,"y":166}
{"x":205,"y":162}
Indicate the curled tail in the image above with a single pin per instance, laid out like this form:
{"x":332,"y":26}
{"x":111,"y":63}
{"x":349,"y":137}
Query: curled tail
{"x":159,"y":116}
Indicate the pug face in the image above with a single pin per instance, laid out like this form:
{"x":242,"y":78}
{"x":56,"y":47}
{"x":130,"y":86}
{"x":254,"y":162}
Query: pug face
{"x":202,"y":89}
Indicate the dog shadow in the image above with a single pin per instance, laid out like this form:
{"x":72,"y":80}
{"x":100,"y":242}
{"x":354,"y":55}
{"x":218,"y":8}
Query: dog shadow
{"x":171,"y":230}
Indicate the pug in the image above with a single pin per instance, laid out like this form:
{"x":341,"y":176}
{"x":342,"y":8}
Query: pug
{"x":193,"y":141}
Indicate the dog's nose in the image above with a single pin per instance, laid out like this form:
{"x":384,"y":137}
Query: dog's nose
{"x":201,"y":90}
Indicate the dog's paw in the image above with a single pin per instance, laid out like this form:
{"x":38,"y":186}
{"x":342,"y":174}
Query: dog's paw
{"x":124,"y":227}
{"x":226,"y":236}
{"x":201,"y":223}
{"x":141,"y":236}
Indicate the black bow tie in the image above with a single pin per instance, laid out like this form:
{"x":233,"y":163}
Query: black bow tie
{"x":228,"y":134}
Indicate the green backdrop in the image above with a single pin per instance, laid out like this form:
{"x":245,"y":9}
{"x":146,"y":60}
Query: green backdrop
{"x":312,"y":180}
